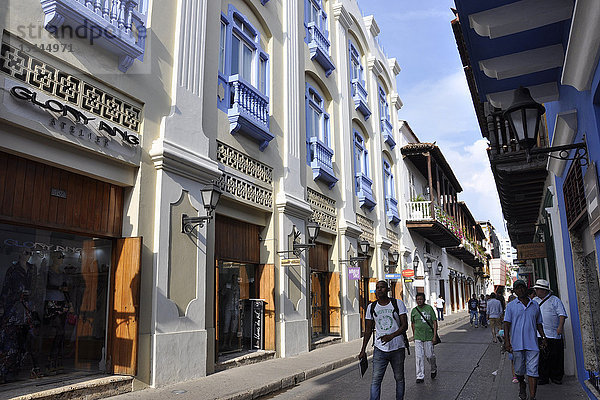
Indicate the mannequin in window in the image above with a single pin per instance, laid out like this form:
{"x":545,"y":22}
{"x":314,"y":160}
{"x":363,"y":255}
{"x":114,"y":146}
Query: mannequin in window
{"x":56,"y":307}
{"x":15,"y":316}
{"x":231,"y":308}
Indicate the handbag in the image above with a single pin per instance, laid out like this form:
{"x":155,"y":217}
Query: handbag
{"x":436,"y":338}
{"x":71,"y":318}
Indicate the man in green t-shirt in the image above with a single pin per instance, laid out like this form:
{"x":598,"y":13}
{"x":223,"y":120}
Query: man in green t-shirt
{"x":424,"y":327}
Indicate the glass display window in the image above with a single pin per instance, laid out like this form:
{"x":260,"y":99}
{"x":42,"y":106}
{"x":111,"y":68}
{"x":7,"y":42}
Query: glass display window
{"x":236,"y":291}
{"x":53,"y":302}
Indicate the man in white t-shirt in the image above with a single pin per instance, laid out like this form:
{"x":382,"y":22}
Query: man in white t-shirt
{"x":439,"y":305}
{"x":389,"y":320}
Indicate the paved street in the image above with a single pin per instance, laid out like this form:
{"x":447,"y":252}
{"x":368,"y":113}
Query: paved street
{"x":469,"y":367}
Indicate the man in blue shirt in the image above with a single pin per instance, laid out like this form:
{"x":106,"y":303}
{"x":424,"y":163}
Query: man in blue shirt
{"x":522,"y":319}
{"x":554,"y":314}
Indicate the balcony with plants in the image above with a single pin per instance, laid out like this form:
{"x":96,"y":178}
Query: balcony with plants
{"x":359,"y":95}
{"x":318,"y":44}
{"x":364,"y":191}
{"x":321,"y":163}
{"x":249,"y":111}
{"x":118,"y":26}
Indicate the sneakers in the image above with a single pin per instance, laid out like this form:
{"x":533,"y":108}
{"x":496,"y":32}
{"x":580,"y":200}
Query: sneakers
{"x":515,"y":380}
{"x":433,"y":375}
{"x":420,"y":380}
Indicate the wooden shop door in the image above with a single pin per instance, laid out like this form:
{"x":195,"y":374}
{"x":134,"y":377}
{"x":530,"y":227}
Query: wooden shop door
{"x":123,"y":309}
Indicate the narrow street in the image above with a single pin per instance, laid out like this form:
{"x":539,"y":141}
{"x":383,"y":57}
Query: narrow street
{"x":470,"y":366}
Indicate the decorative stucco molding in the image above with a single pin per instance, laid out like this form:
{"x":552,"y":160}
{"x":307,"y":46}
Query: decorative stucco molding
{"x":367,"y":228}
{"x":323,"y":210}
{"x":393,"y":237}
{"x":245,"y":191}
{"x":174,"y":158}
{"x":341,"y":15}
{"x":394,"y":66}
{"x":239,"y":161}
{"x":396,"y":100}
{"x":375,"y":65}
{"x":371,"y":25}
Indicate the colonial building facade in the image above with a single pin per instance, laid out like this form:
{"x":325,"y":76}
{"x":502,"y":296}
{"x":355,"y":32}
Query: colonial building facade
{"x":289,"y":108}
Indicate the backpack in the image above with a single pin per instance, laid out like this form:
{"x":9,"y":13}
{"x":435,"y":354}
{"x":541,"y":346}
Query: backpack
{"x":397,"y":311}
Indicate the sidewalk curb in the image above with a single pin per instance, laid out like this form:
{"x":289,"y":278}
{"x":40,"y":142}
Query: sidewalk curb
{"x":294,"y":379}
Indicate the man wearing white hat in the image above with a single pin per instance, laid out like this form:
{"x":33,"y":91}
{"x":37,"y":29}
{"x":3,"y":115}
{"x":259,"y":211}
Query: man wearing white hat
{"x":553,"y":315}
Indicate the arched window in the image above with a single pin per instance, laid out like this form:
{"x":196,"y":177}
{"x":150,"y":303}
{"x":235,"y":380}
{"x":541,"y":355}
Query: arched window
{"x":243,"y":78}
{"x":357,"y":82}
{"x":317,"y":35}
{"x":384,"y":116}
{"x":389,"y":190}
{"x":319,"y":153}
{"x":363,"y":182}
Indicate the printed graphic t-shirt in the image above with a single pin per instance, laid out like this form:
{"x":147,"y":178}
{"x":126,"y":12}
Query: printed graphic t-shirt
{"x":422,"y":330}
{"x":387,"y":322}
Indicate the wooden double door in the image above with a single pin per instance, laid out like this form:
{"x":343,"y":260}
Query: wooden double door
{"x":325,"y":301}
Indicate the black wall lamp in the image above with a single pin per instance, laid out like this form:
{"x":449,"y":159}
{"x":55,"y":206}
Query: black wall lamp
{"x":392,"y":260}
{"x":363,"y":249}
{"x":524,"y":116}
{"x":440,"y":268}
{"x":210,"y":197}
{"x":297,"y":248}
{"x":429,"y":264}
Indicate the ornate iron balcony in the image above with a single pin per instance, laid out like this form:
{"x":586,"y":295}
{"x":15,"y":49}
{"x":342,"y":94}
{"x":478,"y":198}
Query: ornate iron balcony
{"x":115,"y":25}
{"x":391,"y":205}
{"x":364,"y":191}
{"x":319,"y":48}
{"x":387,"y":132}
{"x":249,"y":112}
{"x":322,"y":164}
{"x":359,"y":94}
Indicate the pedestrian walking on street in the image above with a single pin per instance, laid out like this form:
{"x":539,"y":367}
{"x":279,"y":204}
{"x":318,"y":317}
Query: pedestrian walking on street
{"x":388,"y":319}
{"x":473,"y":307}
{"x":494,"y":316}
{"x":552,"y":360}
{"x":483,"y":311}
{"x":522,"y":319}
{"x":424,"y":327}
{"x":439,"y":305}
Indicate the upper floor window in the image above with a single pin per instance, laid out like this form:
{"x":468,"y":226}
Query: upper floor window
{"x":361,"y":155}
{"x":240,"y":52}
{"x":388,"y":180}
{"x":317,"y":36}
{"x":243,"y":78}
{"x":317,"y":120}
{"x":319,"y":154}
{"x":356,"y":68}
{"x":384,"y":109}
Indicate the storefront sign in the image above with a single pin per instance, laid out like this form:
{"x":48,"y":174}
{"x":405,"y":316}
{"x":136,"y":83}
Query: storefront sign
{"x":393,"y":276}
{"x":531,"y":251}
{"x":354,"y":273}
{"x":408,"y":273}
{"x":41,"y":246}
{"x":58,"y":193}
{"x":60,"y":119}
{"x":419,"y":283}
{"x":258,"y":324}
{"x":408,"y":280}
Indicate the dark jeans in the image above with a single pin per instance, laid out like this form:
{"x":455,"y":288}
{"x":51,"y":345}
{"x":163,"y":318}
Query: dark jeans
{"x":552,"y":361}
{"x":380,"y":362}
{"x":482,"y":318}
{"x":440,"y":312}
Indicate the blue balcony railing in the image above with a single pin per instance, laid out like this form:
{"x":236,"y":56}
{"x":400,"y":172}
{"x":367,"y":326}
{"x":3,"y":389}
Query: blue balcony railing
{"x":359,"y":94}
{"x":249,"y":112}
{"x":364,"y":191}
{"x":391,"y":205}
{"x":387,"y":132}
{"x":115,"y":25}
{"x":322,"y":162}
{"x":319,"y":48}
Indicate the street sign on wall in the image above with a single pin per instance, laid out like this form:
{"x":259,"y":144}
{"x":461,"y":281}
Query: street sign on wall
{"x":408,"y":273}
{"x":354,"y":273}
{"x":393,"y":276}
{"x":531,"y":251}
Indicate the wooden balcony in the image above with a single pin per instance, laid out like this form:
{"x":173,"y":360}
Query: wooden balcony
{"x":431,"y":222}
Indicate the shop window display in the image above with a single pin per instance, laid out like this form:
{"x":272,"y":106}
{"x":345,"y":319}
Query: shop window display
{"x":237,"y":292}
{"x":53,"y":302}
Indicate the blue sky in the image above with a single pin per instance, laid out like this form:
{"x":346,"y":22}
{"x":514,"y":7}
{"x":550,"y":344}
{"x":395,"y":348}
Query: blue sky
{"x":433,"y":88}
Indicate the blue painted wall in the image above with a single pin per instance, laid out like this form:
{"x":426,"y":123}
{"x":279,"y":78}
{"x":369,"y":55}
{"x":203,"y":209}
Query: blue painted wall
{"x":588,"y":122}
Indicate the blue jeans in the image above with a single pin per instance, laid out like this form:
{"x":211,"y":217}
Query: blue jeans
{"x":440,"y":312}
{"x":473,"y":316}
{"x":380,"y":362}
